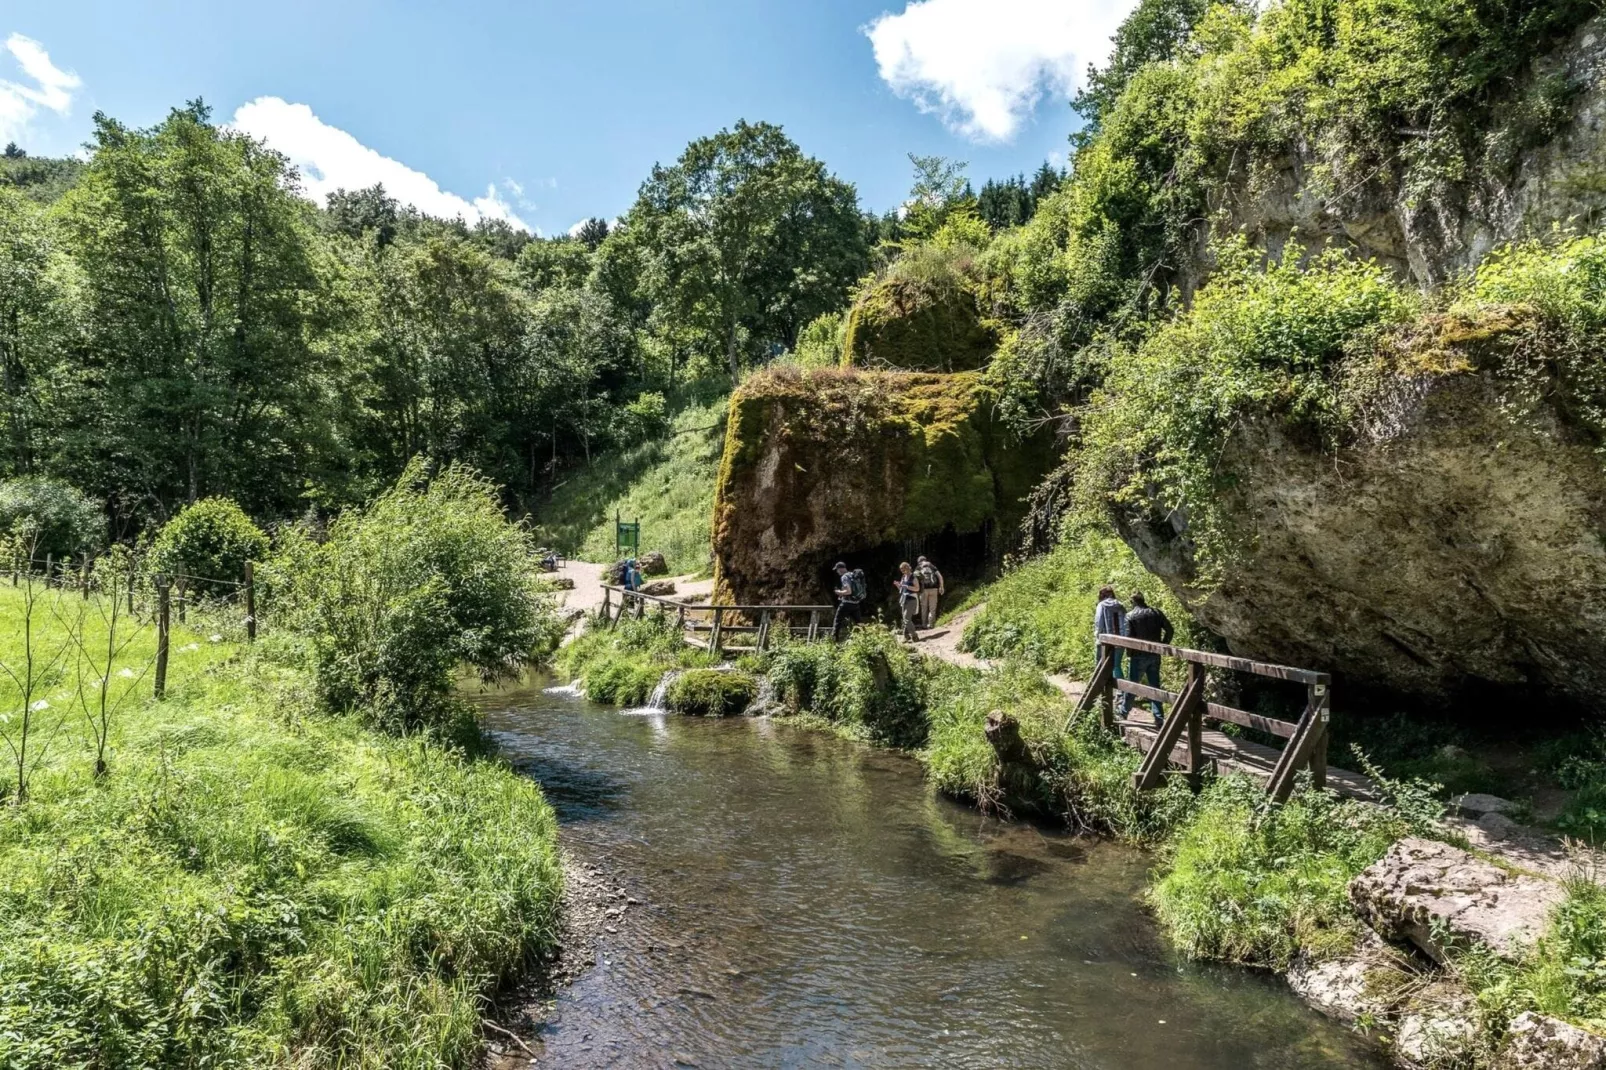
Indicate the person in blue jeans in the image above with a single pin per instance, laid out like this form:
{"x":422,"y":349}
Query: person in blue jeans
{"x":1143,"y":621}
{"x":1109,"y":618}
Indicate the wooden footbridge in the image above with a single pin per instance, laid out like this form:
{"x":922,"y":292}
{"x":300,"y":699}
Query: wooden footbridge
{"x":722,"y":629}
{"x":1189,"y":740}
{"x":1183,"y":741}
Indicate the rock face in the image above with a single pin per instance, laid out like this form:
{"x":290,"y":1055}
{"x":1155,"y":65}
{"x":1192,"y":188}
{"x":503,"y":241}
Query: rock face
{"x":860,"y":466}
{"x":933,"y":326}
{"x":1430,"y":893}
{"x":1449,"y":549}
{"x":1535,"y":1042}
{"x":1433,"y":238}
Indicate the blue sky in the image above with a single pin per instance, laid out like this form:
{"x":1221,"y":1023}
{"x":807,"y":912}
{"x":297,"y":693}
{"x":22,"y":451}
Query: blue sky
{"x":547,"y":113}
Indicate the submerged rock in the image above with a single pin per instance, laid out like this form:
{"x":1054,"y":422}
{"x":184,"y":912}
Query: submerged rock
{"x":1432,"y":894}
{"x":1362,"y":986}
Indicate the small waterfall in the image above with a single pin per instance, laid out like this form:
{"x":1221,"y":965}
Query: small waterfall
{"x":572,"y":690}
{"x":655,"y":704}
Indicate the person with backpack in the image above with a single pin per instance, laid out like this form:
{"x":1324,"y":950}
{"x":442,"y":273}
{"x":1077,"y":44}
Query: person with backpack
{"x":908,"y":587}
{"x":931,"y":589}
{"x":1150,"y":624}
{"x":850,"y":596}
{"x":1109,"y":618}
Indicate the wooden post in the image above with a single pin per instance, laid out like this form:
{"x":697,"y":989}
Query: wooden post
{"x":133,"y":577}
{"x":50,"y":570}
{"x":1322,"y":702}
{"x":641,"y":607}
{"x":814,"y":624}
{"x":1309,"y":738}
{"x":1196,"y":682}
{"x":83,"y":577}
{"x":250,"y":603}
{"x":713,"y":643}
{"x":763,"y":630}
{"x":1159,"y":756}
{"x":1103,"y":681}
{"x":607,"y":601}
{"x":162,"y":630}
{"x":183,"y":597}
{"x":680,"y":619}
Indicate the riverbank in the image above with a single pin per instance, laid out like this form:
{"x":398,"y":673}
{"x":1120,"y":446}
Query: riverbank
{"x":251,"y":881}
{"x":1235,"y":881}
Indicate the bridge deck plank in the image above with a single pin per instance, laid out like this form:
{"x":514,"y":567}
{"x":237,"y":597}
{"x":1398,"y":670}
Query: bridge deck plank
{"x":1241,"y":756}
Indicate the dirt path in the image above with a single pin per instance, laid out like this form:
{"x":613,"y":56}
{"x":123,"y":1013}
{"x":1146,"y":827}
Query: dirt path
{"x":587,"y":593}
{"x":943,"y":642}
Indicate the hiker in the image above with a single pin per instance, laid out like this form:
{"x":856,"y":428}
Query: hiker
{"x":1143,"y":621}
{"x":633,"y":578}
{"x":908,"y":587}
{"x":850,"y":594}
{"x":931,"y":589}
{"x":1109,"y":618}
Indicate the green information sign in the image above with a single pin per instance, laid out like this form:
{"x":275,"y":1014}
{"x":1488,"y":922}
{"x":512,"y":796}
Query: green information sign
{"x":626,"y":536}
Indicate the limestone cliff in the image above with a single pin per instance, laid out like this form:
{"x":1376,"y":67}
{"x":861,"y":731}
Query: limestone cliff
{"x":1430,"y":236}
{"x":1457,"y":546}
{"x":859,"y":465}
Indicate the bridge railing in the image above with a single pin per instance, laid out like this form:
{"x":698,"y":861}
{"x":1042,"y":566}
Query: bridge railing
{"x":1306,"y":738}
{"x":712,"y":626}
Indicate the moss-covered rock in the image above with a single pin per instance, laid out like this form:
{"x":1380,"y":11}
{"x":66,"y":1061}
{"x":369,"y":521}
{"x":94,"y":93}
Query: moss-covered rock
{"x":918,"y":324}
{"x":711,"y":692}
{"x":826,"y":464}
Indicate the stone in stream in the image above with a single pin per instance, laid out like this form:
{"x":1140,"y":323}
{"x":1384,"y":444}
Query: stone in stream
{"x":1425,"y":891}
{"x":1537,"y":1042}
{"x":1365,"y":984}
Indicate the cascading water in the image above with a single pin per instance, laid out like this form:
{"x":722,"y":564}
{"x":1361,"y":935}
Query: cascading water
{"x":660,"y":694}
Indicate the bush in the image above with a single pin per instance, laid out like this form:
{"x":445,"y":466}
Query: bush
{"x":712,"y":692}
{"x":870,"y":687}
{"x":623,"y":664}
{"x":644,"y":419}
{"x":50,"y":517}
{"x":1251,"y":883}
{"x":209,"y":541}
{"x":430,"y":577}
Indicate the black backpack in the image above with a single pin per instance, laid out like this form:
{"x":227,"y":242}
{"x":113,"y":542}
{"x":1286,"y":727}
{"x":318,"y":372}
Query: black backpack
{"x":856,"y":585}
{"x":928,"y":575}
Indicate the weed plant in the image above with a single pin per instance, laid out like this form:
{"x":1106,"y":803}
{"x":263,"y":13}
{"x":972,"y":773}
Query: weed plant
{"x":253,"y":884}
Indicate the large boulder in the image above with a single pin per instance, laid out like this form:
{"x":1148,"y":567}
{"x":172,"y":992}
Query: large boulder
{"x":832,"y":464}
{"x":1446,"y":550}
{"x":1537,"y":1042}
{"x":1435,"y":895}
{"x":918,"y":325}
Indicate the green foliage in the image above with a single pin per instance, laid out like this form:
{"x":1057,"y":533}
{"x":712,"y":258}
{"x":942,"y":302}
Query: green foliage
{"x":47,"y":516}
{"x":622,"y":665}
{"x":255,"y":886}
{"x":922,"y":312}
{"x":819,"y":345}
{"x":711,"y":692}
{"x":744,"y":240}
{"x":869,"y":687}
{"x":667,"y":483}
{"x":646,"y":417}
{"x":210,"y":540}
{"x":1041,"y":611}
{"x":1251,"y":883}
{"x":429,"y":577}
{"x":1258,"y":343}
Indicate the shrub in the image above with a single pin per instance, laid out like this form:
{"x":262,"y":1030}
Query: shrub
{"x":870,"y":686}
{"x":645,"y":418}
{"x":429,"y":577}
{"x":1253,"y":883}
{"x":50,"y":516}
{"x":623,"y":664}
{"x":209,"y":541}
{"x":711,"y":692}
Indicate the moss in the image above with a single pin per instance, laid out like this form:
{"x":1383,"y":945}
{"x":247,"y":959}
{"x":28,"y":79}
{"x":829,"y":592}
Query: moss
{"x":712,"y":692}
{"x":830,"y":462}
{"x":917,"y":325}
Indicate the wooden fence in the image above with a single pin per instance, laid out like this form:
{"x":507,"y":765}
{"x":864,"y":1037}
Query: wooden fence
{"x":1306,"y":739}
{"x":710,"y":627}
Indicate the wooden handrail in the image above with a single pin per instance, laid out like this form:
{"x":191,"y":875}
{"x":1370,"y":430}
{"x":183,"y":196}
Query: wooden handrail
{"x":1219,"y":661}
{"x":690,"y":606}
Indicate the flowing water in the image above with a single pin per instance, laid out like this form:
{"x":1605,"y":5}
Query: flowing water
{"x":810,"y":902}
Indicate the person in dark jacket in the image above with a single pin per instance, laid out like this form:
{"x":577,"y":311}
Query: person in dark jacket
{"x":1145,"y":622}
{"x":1109,"y":617}
{"x":849,"y":594}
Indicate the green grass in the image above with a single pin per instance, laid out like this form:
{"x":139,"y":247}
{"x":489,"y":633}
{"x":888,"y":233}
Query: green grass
{"x":254,"y":884}
{"x":711,"y":692}
{"x":623,"y":664}
{"x":667,"y":484}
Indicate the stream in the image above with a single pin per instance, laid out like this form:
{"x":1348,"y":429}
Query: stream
{"x":807,"y":901}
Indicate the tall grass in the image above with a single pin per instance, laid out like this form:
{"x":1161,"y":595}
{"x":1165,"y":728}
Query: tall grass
{"x":254,"y":884}
{"x":667,"y":484}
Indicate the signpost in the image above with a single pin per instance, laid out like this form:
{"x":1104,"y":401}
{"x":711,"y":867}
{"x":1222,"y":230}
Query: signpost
{"x":626,"y":537}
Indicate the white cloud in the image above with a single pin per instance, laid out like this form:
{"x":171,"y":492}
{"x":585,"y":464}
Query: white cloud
{"x":331,"y":159}
{"x":52,"y":88}
{"x":982,"y":65}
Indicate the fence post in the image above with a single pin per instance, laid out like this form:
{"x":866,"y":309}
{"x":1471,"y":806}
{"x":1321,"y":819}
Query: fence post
{"x":713,"y":642}
{"x":83,"y":577}
{"x":680,"y":619}
{"x":162,"y":603}
{"x":50,"y":569}
{"x":250,"y":603}
{"x":763,"y":631}
{"x":814,"y":624}
{"x":133,"y":577}
{"x":1322,"y":702}
{"x":607,"y":602}
{"x":1196,"y":680}
{"x":183,"y":598}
